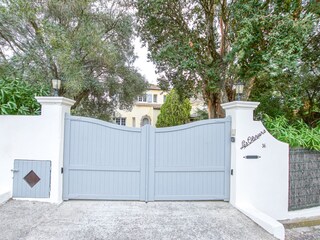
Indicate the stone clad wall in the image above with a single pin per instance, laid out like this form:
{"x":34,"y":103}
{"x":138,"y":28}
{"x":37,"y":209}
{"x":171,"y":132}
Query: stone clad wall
{"x":304,"y":179}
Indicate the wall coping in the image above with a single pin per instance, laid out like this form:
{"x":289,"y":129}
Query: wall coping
{"x":55,"y":101}
{"x":240,"y":105}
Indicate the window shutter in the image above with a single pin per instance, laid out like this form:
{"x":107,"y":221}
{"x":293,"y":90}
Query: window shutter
{"x":149,"y":98}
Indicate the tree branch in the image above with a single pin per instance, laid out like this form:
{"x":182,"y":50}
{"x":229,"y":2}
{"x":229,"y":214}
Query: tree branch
{"x":10,"y":41}
{"x":2,"y":55}
{"x":79,"y":97}
{"x":39,"y":36}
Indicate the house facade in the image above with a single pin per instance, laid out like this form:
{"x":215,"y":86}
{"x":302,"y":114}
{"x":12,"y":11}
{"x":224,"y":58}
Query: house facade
{"x":144,"y":111}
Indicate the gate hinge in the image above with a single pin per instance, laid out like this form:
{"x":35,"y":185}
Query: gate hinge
{"x":62,"y":170}
{"x":233,"y":139}
{"x":231,"y":171}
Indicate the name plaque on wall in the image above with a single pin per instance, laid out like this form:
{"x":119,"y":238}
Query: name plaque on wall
{"x":252,"y":139}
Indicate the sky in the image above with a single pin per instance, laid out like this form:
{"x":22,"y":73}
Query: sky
{"x":146,"y":68}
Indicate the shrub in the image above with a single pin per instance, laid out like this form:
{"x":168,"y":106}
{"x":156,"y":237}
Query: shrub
{"x":17,"y":97}
{"x":174,"y":111}
{"x":296,"y":134}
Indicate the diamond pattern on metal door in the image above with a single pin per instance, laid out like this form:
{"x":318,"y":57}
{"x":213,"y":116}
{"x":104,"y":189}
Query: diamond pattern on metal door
{"x":31,"y":179}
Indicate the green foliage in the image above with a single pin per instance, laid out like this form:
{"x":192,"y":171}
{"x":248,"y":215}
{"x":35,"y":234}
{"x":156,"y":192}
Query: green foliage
{"x":297,"y":134}
{"x":201,"y":114}
{"x":268,"y":38}
{"x":174,"y":111}
{"x":85,"y":43}
{"x":17,"y":97}
{"x":292,"y":100}
{"x":207,"y":46}
{"x":279,"y":48}
{"x":181,"y":43}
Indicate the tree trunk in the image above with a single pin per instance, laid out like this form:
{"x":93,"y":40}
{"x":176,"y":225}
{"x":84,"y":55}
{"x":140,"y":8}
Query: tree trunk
{"x":248,"y":89}
{"x":210,"y":109}
{"x":214,"y":107}
{"x":79,"y":97}
{"x":214,"y":99}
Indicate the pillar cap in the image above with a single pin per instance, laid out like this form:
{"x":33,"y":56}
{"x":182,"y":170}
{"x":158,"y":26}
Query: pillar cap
{"x":55,"y":101}
{"x":240,"y":105}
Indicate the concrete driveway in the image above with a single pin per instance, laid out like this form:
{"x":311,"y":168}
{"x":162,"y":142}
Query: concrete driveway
{"x":126,"y":220}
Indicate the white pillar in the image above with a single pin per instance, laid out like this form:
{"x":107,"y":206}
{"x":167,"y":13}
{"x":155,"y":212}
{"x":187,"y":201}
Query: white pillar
{"x":241,"y":114}
{"x":259,"y":184}
{"x":53,"y":110}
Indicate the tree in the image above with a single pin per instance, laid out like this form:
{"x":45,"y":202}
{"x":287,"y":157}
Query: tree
{"x":206,"y":46}
{"x":287,"y":79}
{"x":18,"y":97}
{"x":86,"y":43}
{"x":175,"y":111}
{"x":201,"y":114}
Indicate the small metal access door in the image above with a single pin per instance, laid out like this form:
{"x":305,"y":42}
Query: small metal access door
{"x":107,"y":161}
{"x":31,"y":179}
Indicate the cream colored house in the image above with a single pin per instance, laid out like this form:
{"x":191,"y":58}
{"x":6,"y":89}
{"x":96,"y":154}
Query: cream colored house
{"x":144,"y":111}
{"x":147,"y":108}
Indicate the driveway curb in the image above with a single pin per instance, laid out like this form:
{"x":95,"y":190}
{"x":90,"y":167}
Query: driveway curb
{"x":4,"y":197}
{"x":266,"y":222}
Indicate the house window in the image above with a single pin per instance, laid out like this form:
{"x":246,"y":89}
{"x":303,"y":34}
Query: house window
{"x":164,"y":98}
{"x":142,"y":98}
{"x":145,"y":98}
{"x":155,"y":98}
{"x":145,"y":120}
{"x":121,"y":121}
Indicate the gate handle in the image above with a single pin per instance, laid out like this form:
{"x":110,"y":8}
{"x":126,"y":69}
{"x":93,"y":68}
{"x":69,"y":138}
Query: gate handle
{"x":252,"y":157}
{"x":14,"y":170}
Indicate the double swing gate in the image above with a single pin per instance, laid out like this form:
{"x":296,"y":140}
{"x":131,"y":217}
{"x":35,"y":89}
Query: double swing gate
{"x":107,"y":161}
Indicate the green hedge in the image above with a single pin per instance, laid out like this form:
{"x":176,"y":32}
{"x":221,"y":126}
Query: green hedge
{"x":17,"y":97}
{"x":296,"y":134}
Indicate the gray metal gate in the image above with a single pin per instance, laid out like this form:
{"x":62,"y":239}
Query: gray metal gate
{"x":107,"y":161}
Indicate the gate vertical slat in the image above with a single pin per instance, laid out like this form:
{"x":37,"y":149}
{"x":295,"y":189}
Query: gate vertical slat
{"x":143,"y":166}
{"x":227,"y":152}
{"x":66,"y":154}
{"x":151,"y":160}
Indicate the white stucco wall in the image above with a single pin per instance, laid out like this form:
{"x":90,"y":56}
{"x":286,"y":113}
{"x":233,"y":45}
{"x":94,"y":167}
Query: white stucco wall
{"x":35,"y":138}
{"x":262,"y":182}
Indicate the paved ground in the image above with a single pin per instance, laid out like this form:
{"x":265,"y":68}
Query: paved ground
{"x":126,"y":220}
{"x":303,"y":228}
{"x":303,"y":233}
